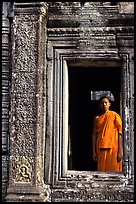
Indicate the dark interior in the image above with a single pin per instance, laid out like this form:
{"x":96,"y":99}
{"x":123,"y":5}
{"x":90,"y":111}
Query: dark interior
{"x":82,"y":110}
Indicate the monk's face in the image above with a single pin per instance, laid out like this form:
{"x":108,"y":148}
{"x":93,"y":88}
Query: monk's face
{"x":105,"y":104}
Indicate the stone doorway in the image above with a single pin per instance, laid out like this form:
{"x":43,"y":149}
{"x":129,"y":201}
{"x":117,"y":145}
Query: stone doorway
{"x":82,"y":108}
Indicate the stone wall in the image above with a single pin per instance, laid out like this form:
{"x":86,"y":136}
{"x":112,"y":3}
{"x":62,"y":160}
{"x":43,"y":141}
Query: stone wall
{"x":46,"y":39}
{"x":77,"y":33}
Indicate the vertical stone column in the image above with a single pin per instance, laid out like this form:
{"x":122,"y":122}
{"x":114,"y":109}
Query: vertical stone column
{"x":27,"y":122}
{"x":5,"y":93}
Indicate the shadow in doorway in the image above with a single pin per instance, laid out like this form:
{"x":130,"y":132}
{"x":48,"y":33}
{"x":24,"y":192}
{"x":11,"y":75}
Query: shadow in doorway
{"x":82,"y":110}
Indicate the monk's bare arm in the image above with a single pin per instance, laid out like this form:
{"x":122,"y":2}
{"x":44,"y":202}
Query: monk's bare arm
{"x":120,"y":148}
{"x":94,"y":139}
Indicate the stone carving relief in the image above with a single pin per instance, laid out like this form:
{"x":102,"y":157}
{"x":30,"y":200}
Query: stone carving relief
{"x":26,"y":43}
{"x":23,"y":118}
{"x":92,"y":195}
{"x":126,"y":7}
{"x":25,"y":110}
{"x":91,"y":4}
{"x":22,"y":169}
{"x":64,"y":3}
{"x":23,"y":139}
{"x":82,"y":3}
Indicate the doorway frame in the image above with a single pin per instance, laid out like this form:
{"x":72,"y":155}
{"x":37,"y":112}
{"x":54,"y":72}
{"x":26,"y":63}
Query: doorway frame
{"x":59,"y":58}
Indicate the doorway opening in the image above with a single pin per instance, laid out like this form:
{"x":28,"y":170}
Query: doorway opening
{"x":82,"y":109}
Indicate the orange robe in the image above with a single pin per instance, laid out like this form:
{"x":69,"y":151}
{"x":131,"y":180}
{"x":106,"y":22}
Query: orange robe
{"x":108,"y":127}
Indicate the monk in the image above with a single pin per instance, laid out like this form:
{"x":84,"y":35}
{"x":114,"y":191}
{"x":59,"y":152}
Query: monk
{"x":107,"y":138}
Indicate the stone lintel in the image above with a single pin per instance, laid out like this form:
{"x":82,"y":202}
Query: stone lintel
{"x":30,"y":8}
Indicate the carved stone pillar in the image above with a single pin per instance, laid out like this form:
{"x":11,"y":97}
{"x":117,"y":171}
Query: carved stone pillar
{"x":27,"y":122}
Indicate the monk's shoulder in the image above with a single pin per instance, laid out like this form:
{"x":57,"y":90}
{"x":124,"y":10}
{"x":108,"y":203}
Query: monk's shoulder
{"x":113,"y":113}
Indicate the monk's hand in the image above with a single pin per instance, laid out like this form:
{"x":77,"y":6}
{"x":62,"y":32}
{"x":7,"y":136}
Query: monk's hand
{"x":95,"y":157}
{"x":119,"y":156}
